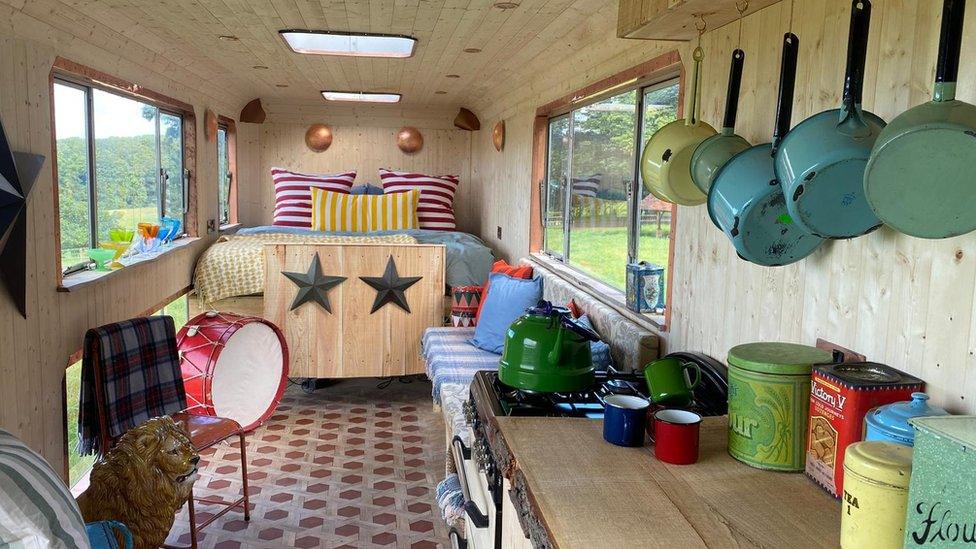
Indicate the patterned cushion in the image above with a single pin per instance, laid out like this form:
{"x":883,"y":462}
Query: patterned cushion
{"x":631,"y":345}
{"x":36,"y":508}
{"x":293,"y":195}
{"x":363,"y":213}
{"x":436,"y":209}
{"x":451,"y":359}
{"x":453,"y":397}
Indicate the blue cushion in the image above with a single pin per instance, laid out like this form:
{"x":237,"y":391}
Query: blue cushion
{"x":101,"y":535}
{"x":507,"y":300}
{"x":598,"y":349}
{"x":366,"y":188}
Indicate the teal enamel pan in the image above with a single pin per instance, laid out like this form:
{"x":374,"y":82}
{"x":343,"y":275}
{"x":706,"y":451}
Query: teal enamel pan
{"x":919,"y":179}
{"x":718,"y":149}
{"x":746,"y":201}
{"x":821,"y":162}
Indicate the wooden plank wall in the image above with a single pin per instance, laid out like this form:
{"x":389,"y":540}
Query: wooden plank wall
{"x":900,"y":300}
{"x":35,"y":352}
{"x":364,"y":139}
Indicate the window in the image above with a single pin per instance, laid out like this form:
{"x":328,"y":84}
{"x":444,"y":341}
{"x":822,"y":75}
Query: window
{"x":596,"y":219}
{"x":226,"y":172}
{"x":120,"y":162}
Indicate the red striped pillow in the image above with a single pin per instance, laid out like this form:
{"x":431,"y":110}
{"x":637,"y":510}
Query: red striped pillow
{"x":436,"y":207}
{"x":293,"y":194}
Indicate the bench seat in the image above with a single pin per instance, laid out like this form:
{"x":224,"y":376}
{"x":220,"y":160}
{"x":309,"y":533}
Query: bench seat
{"x":451,"y":359}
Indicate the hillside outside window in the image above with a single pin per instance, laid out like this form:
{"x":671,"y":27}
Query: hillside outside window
{"x":596,"y":218}
{"x":120,"y":162}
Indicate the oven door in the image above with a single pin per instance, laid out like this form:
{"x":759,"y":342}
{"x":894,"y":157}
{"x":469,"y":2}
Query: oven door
{"x":480,"y":517}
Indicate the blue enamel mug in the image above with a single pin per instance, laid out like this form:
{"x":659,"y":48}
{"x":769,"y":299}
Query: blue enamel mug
{"x":625,"y":420}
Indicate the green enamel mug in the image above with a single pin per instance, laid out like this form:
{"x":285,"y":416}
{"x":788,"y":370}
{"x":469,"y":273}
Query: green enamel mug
{"x":667,"y":382}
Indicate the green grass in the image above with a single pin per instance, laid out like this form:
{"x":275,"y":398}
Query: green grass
{"x":602,"y":252}
{"x":78,"y":466}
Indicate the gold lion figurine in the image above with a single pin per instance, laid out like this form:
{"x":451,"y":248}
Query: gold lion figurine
{"x":143,"y":481}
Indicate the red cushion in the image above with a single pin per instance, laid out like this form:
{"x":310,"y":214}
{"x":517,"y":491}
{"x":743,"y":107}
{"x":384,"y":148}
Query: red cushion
{"x":436,"y":207}
{"x":501,"y":266}
{"x":293,"y":194}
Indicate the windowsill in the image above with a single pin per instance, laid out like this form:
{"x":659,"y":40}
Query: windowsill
{"x":77,"y":280}
{"x":610,"y":296}
{"x":229,"y":228}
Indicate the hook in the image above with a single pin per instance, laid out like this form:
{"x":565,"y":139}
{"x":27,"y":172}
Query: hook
{"x":701,"y":25}
{"x":742,"y":6}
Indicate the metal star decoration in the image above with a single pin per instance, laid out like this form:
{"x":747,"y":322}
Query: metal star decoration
{"x":390,"y":287}
{"x":313,"y":286}
{"x":17,"y":174}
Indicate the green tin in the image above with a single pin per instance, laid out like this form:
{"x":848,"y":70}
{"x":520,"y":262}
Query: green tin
{"x":769,"y":401}
{"x":941,"y":501}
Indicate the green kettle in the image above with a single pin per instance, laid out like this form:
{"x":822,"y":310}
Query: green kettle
{"x":547,"y":350}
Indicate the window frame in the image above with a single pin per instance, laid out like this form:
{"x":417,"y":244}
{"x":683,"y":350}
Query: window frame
{"x":87,"y":79}
{"x":662,"y":70}
{"x":229,"y":125}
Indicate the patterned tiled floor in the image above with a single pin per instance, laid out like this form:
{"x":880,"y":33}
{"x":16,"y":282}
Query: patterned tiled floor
{"x":351,"y":465}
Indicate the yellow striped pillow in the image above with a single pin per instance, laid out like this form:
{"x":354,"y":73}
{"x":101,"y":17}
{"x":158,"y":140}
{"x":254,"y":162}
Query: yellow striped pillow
{"x":362,"y":213}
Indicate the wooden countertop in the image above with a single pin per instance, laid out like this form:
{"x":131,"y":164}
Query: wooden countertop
{"x":585,"y":492}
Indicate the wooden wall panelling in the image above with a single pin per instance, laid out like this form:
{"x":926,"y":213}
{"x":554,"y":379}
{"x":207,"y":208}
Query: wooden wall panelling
{"x":363,"y":148}
{"x":904,"y":301}
{"x":35,"y":352}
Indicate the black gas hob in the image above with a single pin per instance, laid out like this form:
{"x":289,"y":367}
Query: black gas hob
{"x":711,"y":395}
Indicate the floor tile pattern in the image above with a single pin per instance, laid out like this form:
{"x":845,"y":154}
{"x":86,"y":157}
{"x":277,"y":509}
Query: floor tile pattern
{"x":350,"y":465}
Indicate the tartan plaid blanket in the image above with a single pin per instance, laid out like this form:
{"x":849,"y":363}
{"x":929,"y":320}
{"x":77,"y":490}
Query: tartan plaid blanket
{"x":140,"y":378}
{"x":451,"y":359}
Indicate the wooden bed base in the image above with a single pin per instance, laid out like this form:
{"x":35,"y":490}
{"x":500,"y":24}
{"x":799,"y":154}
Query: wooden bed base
{"x":350,"y":341}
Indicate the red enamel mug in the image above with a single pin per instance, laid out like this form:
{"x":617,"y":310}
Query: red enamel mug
{"x":676,"y":436}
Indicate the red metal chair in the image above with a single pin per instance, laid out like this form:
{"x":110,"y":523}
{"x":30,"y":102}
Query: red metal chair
{"x":205,"y":432}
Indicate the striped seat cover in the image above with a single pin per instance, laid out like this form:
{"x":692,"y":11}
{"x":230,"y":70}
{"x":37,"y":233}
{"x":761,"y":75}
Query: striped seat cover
{"x":36,"y":508}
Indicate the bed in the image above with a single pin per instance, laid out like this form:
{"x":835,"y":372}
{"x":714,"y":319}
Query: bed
{"x":233,"y":267}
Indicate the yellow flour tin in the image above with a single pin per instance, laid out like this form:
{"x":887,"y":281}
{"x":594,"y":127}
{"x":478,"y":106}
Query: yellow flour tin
{"x":876,"y":478}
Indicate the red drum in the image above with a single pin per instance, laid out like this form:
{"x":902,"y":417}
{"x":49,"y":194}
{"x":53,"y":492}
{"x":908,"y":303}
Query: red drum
{"x":233,"y":366}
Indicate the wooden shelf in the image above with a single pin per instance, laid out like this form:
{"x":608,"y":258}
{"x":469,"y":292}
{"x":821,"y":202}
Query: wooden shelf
{"x":78,"y":280}
{"x":675,"y":19}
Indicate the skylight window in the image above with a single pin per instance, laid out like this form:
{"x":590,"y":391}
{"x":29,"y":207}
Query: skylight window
{"x":349,"y":44}
{"x":364,"y":97}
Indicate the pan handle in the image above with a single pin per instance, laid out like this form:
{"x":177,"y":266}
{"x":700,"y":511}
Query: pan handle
{"x":950,"y":41}
{"x":857,"y":50}
{"x":735,"y":82}
{"x":787,"y":83}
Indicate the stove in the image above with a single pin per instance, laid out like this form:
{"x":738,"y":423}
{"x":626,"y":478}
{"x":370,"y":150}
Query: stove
{"x":482,"y":469}
{"x":711,"y":395}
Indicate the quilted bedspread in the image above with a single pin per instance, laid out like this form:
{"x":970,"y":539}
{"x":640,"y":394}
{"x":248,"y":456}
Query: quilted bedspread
{"x":234,"y":265}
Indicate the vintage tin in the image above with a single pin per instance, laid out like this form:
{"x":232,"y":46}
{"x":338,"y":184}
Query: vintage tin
{"x":941,"y":501}
{"x":890,"y":422}
{"x":876,"y":477}
{"x":769,"y":400}
{"x":645,"y":287}
{"x":840,"y":397}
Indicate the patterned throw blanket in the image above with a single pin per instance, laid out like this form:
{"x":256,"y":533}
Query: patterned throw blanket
{"x":234,"y":265}
{"x":140,"y":378}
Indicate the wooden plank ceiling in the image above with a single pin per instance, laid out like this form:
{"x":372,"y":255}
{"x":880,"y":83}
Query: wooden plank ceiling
{"x":186,"y":33}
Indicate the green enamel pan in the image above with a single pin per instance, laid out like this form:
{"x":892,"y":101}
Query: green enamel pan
{"x":718,"y":149}
{"x":821,"y":161}
{"x":666,"y":159}
{"x":919,"y":179}
{"x":746,"y":200}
